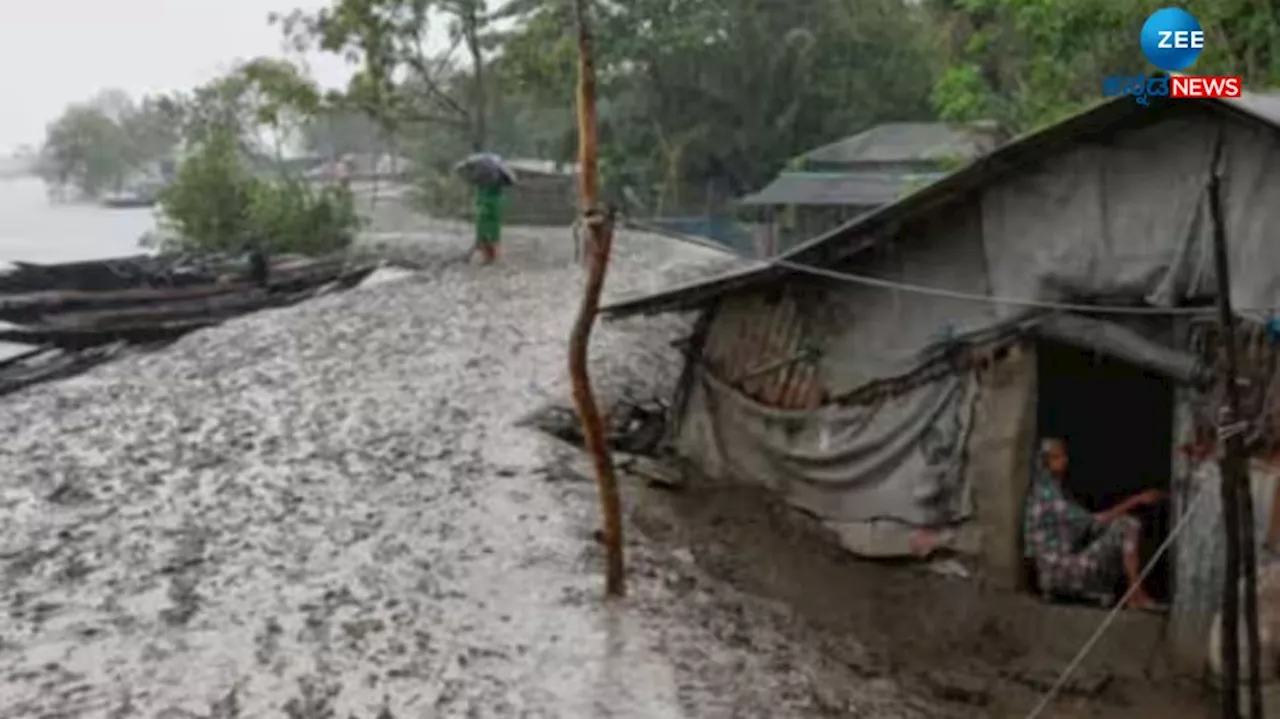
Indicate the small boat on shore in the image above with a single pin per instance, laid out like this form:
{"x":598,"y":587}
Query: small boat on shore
{"x":116,"y":273}
{"x":145,"y":194}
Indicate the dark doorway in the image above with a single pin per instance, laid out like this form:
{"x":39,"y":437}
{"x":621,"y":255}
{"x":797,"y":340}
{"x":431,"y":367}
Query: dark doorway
{"x":1117,"y":421}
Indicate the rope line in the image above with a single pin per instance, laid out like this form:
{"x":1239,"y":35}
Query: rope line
{"x":1089,"y":644}
{"x":990,"y":299}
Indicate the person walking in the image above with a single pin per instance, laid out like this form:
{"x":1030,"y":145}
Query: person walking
{"x":488,"y":220}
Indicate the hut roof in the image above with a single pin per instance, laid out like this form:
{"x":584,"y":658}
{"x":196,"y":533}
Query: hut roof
{"x":870,"y":189}
{"x":861,"y":233}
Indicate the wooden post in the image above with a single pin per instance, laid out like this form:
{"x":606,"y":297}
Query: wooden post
{"x":598,"y":226}
{"x":1237,"y":492}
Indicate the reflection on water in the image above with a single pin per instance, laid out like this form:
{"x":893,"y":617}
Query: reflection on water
{"x":36,"y":230}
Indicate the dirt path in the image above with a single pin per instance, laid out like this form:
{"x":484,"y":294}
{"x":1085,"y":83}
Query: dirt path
{"x":324,"y":511}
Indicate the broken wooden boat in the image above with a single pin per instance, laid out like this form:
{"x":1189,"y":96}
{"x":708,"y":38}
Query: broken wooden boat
{"x":166,"y":320}
{"x":107,"y":274}
{"x":77,"y":315}
{"x":44,"y":364}
{"x":289,"y":277}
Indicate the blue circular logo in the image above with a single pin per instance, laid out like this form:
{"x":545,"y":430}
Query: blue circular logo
{"x":1172,"y":39}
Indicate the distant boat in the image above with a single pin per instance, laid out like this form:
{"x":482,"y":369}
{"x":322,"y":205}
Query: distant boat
{"x":144,"y":195}
{"x":125,"y":201}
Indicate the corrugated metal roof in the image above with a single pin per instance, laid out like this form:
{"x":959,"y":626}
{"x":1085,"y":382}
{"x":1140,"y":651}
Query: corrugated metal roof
{"x":868,"y":189}
{"x":834,"y":246}
{"x":908,"y":142}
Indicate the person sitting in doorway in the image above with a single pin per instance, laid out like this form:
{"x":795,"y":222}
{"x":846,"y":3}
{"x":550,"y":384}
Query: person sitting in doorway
{"x":1076,"y":553}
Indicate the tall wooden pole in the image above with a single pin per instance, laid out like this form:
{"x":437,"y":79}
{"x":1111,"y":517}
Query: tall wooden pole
{"x":598,"y":224}
{"x":1237,"y":492}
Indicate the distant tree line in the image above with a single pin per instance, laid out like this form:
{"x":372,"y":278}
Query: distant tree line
{"x":707,"y":93}
{"x":693,"y":93}
{"x":222,"y":149}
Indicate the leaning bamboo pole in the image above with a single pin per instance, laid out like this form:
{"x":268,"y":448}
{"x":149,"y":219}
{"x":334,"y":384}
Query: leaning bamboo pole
{"x":598,"y":224}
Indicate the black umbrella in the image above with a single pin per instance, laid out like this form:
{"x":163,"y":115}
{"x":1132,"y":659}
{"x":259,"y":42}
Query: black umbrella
{"x":485,"y":168}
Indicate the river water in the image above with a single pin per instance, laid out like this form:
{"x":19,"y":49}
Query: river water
{"x":33,"y":229}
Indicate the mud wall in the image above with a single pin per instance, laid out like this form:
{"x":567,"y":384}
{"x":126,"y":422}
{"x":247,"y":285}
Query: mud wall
{"x":1000,"y":460}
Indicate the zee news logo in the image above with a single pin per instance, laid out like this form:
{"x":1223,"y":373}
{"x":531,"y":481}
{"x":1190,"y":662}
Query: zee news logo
{"x":1172,"y":40}
{"x":1180,"y":39}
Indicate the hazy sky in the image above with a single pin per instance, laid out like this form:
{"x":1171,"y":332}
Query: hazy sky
{"x":54,"y":52}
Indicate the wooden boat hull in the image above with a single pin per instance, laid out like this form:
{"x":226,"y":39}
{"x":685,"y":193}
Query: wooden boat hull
{"x":47,"y":364}
{"x":162,"y":322}
{"x":72,"y":330}
{"x":142,"y":271}
{"x":101,"y":275}
{"x":78,"y":338}
{"x":39,"y":306}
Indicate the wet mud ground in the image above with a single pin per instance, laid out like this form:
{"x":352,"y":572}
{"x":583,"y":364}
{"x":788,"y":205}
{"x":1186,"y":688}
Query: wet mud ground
{"x":329,"y":511}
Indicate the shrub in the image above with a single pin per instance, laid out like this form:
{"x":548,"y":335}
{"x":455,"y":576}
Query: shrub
{"x":216,"y":205}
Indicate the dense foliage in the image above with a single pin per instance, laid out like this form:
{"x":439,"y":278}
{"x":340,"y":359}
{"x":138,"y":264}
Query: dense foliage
{"x":704,"y":97}
{"x":217,"y":205}
{"x":228,"y":193}
{"x":1026,"y":63}
{"x":96,"y":146}
{"x":700,"y":100}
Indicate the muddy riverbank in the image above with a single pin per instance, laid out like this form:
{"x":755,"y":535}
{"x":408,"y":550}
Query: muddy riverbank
{"x":328,"y":511}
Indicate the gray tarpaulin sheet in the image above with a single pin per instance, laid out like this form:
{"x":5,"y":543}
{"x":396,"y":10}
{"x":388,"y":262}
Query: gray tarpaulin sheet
{"x":1121,"y":343}
{"x":1128,"y":217}
{"x":900,"y":459}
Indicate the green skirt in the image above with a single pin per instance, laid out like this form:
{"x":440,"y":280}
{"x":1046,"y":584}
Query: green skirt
{"x":488,"y":216}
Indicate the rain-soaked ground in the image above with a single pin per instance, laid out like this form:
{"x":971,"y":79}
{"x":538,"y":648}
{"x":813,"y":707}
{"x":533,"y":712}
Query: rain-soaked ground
{"x":329,"y":511}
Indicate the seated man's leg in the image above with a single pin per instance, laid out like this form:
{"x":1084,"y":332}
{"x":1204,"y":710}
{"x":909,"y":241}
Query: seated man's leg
{"x":1096,"y":569}
{"x":1130,"y":530}
{"x":1064,"y":575}
{"x":1115,"y":553}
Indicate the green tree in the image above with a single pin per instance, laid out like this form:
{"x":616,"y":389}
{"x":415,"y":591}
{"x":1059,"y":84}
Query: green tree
{"x":100,"y":144}
{"x":232,"y":188}
{"x":398,"y":81}
{"x":337,"y":131}
{"x":86,"y":151}
{"x":1026,"y":63}
{"x":218,"y":204}
{"x":696,"y":96}
{"x":264,"y":103}
{"x":153,"y":128}
{"x":695,"y":92}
